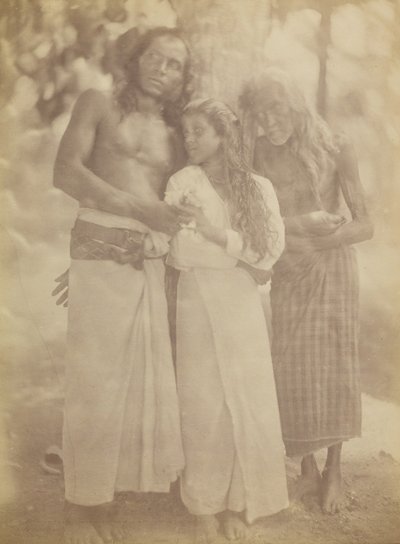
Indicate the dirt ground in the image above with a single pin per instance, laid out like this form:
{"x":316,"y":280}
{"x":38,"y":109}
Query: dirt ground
{"x":34,"y":514}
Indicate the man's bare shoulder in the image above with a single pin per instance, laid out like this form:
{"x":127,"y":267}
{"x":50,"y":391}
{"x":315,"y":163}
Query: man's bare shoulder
{"x":94,"y":103}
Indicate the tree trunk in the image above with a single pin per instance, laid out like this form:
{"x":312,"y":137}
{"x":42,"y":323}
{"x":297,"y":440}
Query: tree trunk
{"x":324,"y":41}
{"x":227,"y":39}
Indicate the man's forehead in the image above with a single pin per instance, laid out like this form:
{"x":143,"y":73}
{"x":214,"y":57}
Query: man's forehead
{"x":170,"y":45}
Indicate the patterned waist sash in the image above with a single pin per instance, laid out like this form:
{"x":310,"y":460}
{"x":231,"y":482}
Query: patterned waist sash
{"x":90,"y":241}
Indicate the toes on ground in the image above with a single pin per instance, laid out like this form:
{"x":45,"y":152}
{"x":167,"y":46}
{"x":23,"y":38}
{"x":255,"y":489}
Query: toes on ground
{"x":105,"y":539}
{"x":233,"y":535}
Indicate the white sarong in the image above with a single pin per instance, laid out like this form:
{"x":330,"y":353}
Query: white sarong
{"x":121,"y":423}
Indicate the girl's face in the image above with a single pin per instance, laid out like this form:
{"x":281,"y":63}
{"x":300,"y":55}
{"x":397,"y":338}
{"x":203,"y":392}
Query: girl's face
{"x":202,"y":143}
{"x":274,"y":115}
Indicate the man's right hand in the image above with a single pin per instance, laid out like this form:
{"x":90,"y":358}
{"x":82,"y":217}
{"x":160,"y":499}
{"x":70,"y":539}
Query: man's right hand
{"x":162,"y":217}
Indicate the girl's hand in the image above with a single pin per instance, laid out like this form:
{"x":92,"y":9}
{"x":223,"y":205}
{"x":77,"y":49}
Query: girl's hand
{"x":190,"y":198}
{"x":203,"y":225}
{"x":321,"y":222}
{"x":194,"y":213}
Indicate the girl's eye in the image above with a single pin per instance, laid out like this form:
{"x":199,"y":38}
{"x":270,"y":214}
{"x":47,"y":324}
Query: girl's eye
{"x":174,"y":65}
{"x":152,"y":56}
{"x":198,"y":131}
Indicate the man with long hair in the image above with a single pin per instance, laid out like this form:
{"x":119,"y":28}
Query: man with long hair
{"x":121,"y":425}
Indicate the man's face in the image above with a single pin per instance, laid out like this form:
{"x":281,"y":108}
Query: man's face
{"x":161,"y":67}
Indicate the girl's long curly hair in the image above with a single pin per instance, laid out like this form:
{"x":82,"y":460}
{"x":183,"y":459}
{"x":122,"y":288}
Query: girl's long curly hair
{"x":250,"y":215}
{"x":130,"y":48}
{"x":312,"y":141}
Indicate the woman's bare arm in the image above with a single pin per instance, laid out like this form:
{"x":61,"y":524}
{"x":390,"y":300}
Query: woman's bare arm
{"x":303,"y":235}
{"x":360,"y":227}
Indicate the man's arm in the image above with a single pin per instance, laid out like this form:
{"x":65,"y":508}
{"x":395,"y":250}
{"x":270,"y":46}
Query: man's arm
{"x":73,"y":176}
{"x":70,"y":171}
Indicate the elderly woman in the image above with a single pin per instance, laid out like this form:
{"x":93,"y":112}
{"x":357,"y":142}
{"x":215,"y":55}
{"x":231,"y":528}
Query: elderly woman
{"x":314,"y":292}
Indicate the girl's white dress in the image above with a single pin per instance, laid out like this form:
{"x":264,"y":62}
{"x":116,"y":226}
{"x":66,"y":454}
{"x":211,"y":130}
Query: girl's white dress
{"x":229,"y":412}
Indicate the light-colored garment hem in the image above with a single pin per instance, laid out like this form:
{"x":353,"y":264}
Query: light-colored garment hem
{"x":214,"y":511}
{"x":312,"y":446}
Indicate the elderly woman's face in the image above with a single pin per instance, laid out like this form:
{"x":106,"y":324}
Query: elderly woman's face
{"x":274,"y":115}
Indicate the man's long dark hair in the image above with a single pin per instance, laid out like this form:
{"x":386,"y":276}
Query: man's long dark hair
{"x":133,"y":46}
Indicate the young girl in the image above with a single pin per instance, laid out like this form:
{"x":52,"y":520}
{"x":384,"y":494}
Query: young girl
{"x":230,"y":421}
{"x":314,"y":292}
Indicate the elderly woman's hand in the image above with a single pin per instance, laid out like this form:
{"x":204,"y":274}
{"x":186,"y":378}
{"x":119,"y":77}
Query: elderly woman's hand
{"x":321,"y":222}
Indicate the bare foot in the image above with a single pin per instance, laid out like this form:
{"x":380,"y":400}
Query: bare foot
{"x":104,"y":520}
{"x":306,"y":486}
{"x":81,"y":533}
{"x":309,"y":483}
{"x":234,"y":527}
{"x":79,"y":528}
{"x":110,"y":531}
{"x":331,"y":490}
{"x":206,"y":529}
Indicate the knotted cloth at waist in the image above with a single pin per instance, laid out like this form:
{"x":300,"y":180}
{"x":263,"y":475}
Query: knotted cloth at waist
{"x":90,"y":241}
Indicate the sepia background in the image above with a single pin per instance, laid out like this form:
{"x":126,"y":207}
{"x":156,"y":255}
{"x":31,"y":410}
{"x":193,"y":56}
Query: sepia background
{"x":345,"y":55}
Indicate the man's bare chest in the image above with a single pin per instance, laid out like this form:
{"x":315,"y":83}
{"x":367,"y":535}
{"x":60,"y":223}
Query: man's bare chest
{"x":147,"y":140}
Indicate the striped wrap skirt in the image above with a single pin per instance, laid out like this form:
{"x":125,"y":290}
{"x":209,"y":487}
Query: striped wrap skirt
{"x":314,"y":349}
